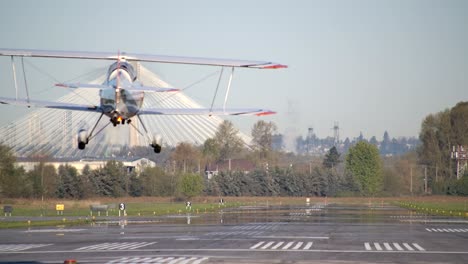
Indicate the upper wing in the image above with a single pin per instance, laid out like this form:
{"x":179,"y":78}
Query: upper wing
{"x":49,"y":104}
{"x":205,"y":111}
{"x":140,"y":57}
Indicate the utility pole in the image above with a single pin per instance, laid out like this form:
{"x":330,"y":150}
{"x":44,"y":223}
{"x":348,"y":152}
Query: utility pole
{"x":411,"y":180}
{"x":425,"y":179}
{"x":436,"y":173}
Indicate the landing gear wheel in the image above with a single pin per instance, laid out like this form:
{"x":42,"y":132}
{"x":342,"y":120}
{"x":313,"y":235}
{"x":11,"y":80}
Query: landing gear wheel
{"x":156,"y":147}
{"x":81,"y":145}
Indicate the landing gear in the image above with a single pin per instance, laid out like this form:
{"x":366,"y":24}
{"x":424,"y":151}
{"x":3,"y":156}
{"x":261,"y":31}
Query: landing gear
{"x":81,"y":145}
{"x":156,"y":147}
{"x":156,"y":142}
{"x":83,"y":137}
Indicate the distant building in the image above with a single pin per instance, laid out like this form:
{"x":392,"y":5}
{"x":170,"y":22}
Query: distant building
{"x":137,"y":164}
{"x":243,"y":165}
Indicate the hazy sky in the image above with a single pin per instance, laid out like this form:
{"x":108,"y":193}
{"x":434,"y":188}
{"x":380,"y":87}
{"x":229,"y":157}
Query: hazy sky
{"x":369,"y":65}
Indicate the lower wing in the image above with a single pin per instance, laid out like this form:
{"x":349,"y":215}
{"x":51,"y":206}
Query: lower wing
{"x":205,"y":111}
{"x":49,"y":104}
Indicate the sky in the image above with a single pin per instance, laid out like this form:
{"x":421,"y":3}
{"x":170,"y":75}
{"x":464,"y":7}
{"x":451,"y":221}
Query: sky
{"x":372,"y":66}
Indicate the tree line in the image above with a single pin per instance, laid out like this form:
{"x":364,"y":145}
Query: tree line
{"x":362,"y":170}
{"x":440,"y":132}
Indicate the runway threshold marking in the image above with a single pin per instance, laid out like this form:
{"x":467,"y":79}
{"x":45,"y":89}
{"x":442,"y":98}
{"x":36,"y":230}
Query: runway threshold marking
{"x":292,"y":237}
{"x":447,"y":230}
{"x":53,"y":230}
{"x":116,"y":246}
{"x":388,"y":246}
{"x":178,"y":260}
{"x":280,"y":245}
{"x":20,"y":247}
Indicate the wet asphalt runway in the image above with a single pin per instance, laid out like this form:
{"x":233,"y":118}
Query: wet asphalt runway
{"x":317,"y":233}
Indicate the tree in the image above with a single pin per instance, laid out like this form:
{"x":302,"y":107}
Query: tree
{"x":186,"y":156}
{"x":69,"y":184}
{"x":262,"y":136}
{"x":157,"y":183}
{"x":436,"y":138}
{"x":43,"y":179}
{"x":228,"y":140}
{"x":111,"y":180}
{"x":332,"y":158}
{"x":11,"y":181}
{"x":364,"y":167}
{"x":210,"y":150}
{"x":118,"y":178}
{"x":136,"y":187}
{"x":191,"y":185}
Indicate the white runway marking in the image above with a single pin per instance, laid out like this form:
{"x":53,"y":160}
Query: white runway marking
{"x":116,"y":246}
{"x":239,"y":250}
{"x":377,"y":246}
{"x":257,"y":245}
{"x":447,"y":230}
{"x":19,"y":247}
{"x":397,"y":246}
{"x":280,"y":245}
{"x":288,"y":245}
{"x":235,"y":233}
{"x":408,"y":247}
{"x":367,"y":246}
{"x":257,"y":227}
{"x":169,"y":260}
{"x":308,"y":246}
{"x":387,"y":246}
{"x":267,"y":245}
{"x":298,"y":245}
{"x":418,"y":247}
{"x":53,"y":230}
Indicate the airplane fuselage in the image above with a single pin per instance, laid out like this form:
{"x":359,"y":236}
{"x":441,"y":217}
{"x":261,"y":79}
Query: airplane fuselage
{"x":118,"y":103}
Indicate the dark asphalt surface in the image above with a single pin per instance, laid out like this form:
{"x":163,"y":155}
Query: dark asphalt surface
{"x":317,"y":233}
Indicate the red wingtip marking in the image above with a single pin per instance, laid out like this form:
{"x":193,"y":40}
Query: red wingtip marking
{"x":266,"y":113}
{"x":60,"y":85}
{"x":275,"y":66}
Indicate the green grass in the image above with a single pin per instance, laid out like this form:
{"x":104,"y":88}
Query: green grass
{"x":132,"y":209}
{"x":445,"y":208}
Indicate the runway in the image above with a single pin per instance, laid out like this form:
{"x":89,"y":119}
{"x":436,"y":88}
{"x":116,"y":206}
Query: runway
{"x":316,"y":233}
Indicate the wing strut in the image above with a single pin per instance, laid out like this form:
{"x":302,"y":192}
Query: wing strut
{"x":154,"y":143}
{"x":227,"y":91}
{"x":92,"y":130}
{"x":25,"y":82}
{"x":217,"y":87}
{"x":14,"y":76}
{"x":142,"y":124}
